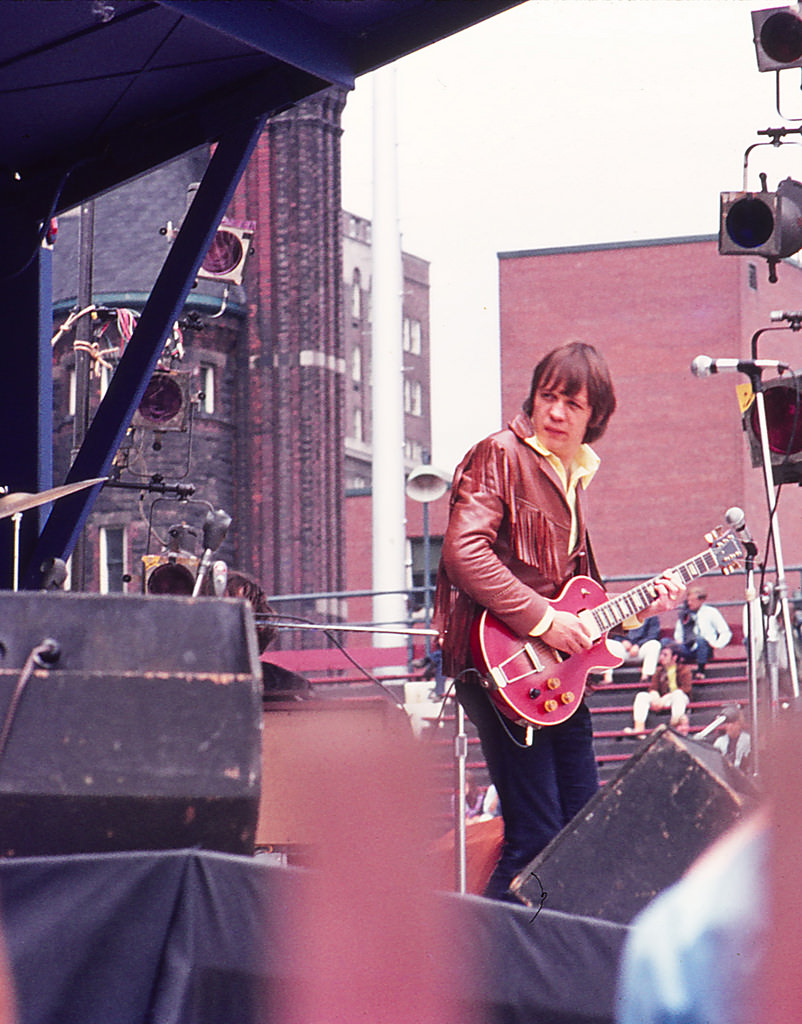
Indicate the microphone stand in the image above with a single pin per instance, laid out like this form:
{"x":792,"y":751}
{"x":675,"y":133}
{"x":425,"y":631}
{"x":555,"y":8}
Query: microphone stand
{"x":755,"y":375}
{"x":750,"y":599}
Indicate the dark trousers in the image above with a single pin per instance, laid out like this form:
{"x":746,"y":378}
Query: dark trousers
{"x":700,"y":652}
{"x":540,"y":787}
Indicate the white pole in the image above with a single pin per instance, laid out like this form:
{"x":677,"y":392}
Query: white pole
{"x":389,"y":518}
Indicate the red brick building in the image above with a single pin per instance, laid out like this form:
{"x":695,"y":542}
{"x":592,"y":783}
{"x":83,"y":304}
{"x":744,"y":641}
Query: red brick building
{"x":278,"y":375}
{"x":675,"y":456}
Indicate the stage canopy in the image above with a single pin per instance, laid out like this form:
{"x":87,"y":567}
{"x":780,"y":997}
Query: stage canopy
{"x":96,"y":92}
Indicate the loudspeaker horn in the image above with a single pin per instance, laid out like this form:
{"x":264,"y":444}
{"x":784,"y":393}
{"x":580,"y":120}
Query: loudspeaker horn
{"x":427,"y":483}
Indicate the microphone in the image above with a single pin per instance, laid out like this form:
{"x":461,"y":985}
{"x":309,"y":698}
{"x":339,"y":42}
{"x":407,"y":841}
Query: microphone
{"x":703,"y":366}
{"x":215,"y":528}
{"x":54,"y":574}
{"x":737,"y":519}
{"x":219,"y":577}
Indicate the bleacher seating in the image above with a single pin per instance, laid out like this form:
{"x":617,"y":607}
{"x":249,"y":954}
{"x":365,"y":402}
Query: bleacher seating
{"x":331,"y":672}
{"x":611,"y":705}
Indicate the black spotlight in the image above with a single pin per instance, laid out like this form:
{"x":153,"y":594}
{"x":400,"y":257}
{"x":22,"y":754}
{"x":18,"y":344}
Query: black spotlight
{"x":165,"y":403}
{"x":226,"y":257}
{"x":778,"y":38}
{"x":763,"y":223}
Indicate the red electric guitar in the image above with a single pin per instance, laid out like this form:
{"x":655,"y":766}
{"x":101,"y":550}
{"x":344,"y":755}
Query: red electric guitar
{"x":531,"y":683}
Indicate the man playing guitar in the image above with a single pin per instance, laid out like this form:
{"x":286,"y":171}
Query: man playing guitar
{"x":516,"y":534}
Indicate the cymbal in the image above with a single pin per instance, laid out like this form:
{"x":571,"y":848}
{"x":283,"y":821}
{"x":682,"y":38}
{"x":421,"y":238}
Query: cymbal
{"x":21,"y":501}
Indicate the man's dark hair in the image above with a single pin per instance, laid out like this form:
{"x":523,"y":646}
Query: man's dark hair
{"x":574,"y":366}
{"x":240,"y":584}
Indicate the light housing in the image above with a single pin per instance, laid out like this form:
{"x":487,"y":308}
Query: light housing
{"x":227,"y":255}
{"x":778,"y":37}
{"x":170,"y":573}
{"x":165,"y":403}
{"x":783,"y":404}
{"x":767,"y":224}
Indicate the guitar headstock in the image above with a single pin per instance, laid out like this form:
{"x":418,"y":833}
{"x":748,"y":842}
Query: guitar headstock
{"x":726,"y":548}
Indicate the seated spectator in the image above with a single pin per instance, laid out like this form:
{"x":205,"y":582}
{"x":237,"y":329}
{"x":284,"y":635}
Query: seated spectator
{"x":474,"y":796}
{"x":670,"y":690}
{"x":735,"y":743}
{"x":491,"y":805}
{"x":640,"y":645}
{"x":700,"y":629}
{"x":432,"y":667}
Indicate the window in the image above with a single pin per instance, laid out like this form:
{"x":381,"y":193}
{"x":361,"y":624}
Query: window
{"x":207,"y":382}
{"x":356,"y":364}
{"x":105,"y":376}
{"x":112,"y":559}
{"x":359,"y":434}
{"x":356,"y":296}
{"x":753,"y":276}
{"x":412,"y":336}
{"x":418,"y":556}
{"x":413,"y":397}
{"x":413,"y":451}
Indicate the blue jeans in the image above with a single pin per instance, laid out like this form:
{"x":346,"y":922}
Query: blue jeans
{"x":700,"y":652}
{"x":540,"y":787}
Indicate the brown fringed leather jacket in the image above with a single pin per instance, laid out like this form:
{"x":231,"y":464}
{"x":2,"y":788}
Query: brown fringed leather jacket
{"x":506,"y":545}
{"x":684,"y":679}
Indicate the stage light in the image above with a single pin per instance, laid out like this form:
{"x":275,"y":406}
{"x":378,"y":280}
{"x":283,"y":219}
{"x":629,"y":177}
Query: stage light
{"x":165,"y":403}
{"x":778,"y":37}
{"x":767,"y":224}
{"x":170,"y":573}
{"x":227,"y":255}
{"x":783,"y":405}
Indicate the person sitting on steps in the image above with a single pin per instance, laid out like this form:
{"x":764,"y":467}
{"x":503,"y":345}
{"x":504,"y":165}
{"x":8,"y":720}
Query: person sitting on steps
{"x":700,"y":630}
{"x":670,"y":690}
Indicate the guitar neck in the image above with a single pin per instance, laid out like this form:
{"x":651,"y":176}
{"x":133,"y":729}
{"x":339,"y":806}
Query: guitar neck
{"x":614,"y":611}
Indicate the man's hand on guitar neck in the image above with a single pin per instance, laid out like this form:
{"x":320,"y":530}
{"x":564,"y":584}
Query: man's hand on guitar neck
{"x":566,"y":633}
{"x":669,"y":588}
{"x":569,"y":634}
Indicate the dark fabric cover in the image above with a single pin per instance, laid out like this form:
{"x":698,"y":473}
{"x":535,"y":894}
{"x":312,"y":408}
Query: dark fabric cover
{"x":195,"y":936}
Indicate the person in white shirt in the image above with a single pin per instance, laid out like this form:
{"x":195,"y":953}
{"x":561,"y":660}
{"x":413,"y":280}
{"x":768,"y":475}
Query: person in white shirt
{"x":735,"y":743}
{"x":700,"y":629}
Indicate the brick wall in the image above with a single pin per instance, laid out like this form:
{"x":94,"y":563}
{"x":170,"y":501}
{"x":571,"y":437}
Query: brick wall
{"x":674,"y":457}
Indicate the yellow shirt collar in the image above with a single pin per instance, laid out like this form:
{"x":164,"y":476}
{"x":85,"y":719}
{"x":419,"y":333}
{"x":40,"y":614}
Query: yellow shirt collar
{"x":583,"y":469}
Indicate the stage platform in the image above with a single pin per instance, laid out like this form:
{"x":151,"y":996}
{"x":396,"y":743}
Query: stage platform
{"x":195,"y":937}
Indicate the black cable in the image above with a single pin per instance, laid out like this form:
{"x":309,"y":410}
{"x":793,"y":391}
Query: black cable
{"x":43,"y":655}
{"x":270,"y":620}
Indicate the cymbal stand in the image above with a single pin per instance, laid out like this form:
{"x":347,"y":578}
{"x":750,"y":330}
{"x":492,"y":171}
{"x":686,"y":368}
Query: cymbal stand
{"x":16,"y":519}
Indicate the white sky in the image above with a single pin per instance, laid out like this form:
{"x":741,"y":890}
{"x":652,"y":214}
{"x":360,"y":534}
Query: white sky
{"x":560,"y":122}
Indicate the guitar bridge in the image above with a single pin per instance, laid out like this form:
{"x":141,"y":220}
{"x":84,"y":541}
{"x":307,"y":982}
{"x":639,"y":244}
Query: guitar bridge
{"x":499,"y":676}
{"x":531,"y":653}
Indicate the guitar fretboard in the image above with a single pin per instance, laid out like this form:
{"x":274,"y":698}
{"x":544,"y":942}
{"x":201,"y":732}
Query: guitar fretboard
{"x":616,"y":610}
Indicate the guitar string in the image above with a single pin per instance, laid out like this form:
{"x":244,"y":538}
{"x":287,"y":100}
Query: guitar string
{"x":608,"y":614}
